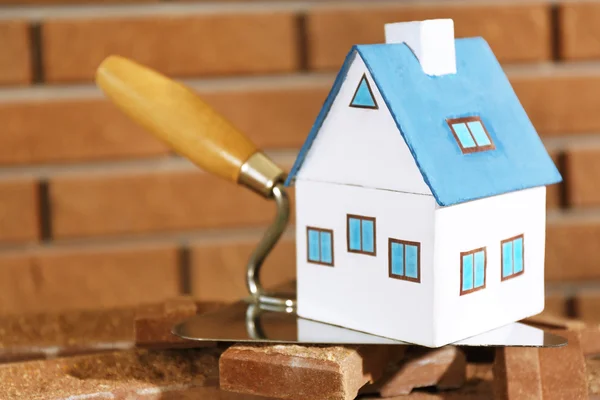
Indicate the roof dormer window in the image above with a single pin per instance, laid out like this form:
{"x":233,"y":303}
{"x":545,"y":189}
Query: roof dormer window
{"x":470,"y":134}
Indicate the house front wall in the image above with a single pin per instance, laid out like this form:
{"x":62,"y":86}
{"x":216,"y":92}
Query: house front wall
{"x":361,"y":146}
{"x":356,"y":291}
{"x":485,"y":224}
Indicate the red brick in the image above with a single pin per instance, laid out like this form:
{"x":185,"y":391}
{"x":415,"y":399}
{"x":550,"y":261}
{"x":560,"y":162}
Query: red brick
{"x":273,"y":118}
{"x":556,"y":304}
{"x":15,"y":57}
{"x":58,"y":131}
{"x":579,"y":31}
{"x":572,"y":250}
{"x":516,"y":32}
{"x":583,"y":169}
{"x":588,"y":305}
{"x":193,"y":45}
{"x":153,"y":201}
{"x":562,"y":102}
{"x":218,"y":270}
{"x":19,"y":215}
{"x":71,"y":278}
{"x":70,"y":130}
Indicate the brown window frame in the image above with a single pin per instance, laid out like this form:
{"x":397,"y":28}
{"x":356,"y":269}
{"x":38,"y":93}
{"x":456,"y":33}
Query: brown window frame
{"x":477,"y":148}
{"x":466,"y":253}
{"x":404,"y":277}
{"x":361,"y":217}
{"x":376,"y":107}
{"x":513,"y":275}
{"x":308,"y":247}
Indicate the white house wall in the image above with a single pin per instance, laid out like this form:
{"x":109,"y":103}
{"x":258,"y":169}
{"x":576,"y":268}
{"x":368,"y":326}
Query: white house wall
{"x":362,"y":146}
{"x":357,"y":291}
{"x":485,"y":223}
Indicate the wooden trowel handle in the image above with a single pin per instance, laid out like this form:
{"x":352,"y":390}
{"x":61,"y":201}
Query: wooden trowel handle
{"x":175,"y":115}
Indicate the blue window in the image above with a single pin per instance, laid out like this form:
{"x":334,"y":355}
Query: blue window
{"x":363,"y":96}
{"x":472,"y":270}
{"x":513,"y":261}
{"x":471,"y":135}
{"x":404,"y":260}
{"x":319,"y":245}
{"x":361,"y":234}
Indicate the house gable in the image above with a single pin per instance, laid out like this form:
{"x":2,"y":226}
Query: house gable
{"x":421,"y":106}
{"x":358,"y":142}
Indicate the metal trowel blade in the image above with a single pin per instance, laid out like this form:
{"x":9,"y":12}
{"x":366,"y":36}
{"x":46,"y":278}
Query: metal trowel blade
{"x":247,"y":322}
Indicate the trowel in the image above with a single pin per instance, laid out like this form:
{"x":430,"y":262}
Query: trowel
{"x":182,"y":120}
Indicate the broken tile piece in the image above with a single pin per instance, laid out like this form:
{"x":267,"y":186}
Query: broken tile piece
{"x":563,"y":369}
{"x":153,"y":324}
{"x":444,"y":368}
{"x":478,"y":385}
{"x":303,"y":372}
{"x":517,"y":373}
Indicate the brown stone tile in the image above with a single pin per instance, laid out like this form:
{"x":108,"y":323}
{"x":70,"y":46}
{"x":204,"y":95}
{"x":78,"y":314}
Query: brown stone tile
{"x":151,"y":201}
{"x":589,"y":338}
{"x":221,"y":44}
{"x":15,"y":57}
{"x":592,"y":365}
{"x":563,"y":369}
{"x":517,"y":373}
{"x":119,"y":375}
{"x":444,"y":368}
{"x":516,"y":32}
{"x":218,"y":269}
{"x":19,"y":211}
{"x":87,"y":278}
{"x":583,"y":168}
{"x":153,"y":325}
{"x":579,"y":31}
{"x":565,"y":264}
{"x":60,"y":131}
{"x":477,"y":386}
{"x":302,"y":372}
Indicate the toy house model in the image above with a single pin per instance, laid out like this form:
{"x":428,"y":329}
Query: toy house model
{"x":420,"y":193}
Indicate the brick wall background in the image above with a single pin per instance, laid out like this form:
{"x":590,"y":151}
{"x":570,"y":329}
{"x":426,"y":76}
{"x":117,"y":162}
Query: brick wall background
{"x":96,"y":213}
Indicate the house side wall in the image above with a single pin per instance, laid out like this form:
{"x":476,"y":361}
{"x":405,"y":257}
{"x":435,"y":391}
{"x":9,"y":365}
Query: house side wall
{"x":485,"y":223}
{"x":361,"y":146}
{"x":357,"y":291}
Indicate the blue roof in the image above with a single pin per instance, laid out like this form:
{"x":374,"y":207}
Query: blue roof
{"x":420,"y":105}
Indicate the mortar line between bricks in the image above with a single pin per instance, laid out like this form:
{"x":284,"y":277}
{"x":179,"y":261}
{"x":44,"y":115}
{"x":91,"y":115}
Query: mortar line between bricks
{"x":170,"y":8}
{"x":208,"y":84}
{"x":35,"y":44}
{"x":44,"y":211}
{"x":298,"y":79}
{"x":200,"y":237}
{"x":169,"y":163}
{"x":185,"y":270}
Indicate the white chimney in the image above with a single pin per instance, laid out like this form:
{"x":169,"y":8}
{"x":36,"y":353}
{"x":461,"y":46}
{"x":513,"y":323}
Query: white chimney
{"x":432,"y":41}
